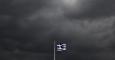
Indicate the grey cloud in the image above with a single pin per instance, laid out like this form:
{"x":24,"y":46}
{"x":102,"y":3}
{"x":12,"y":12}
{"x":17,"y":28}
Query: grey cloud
{"x":30,"y":29}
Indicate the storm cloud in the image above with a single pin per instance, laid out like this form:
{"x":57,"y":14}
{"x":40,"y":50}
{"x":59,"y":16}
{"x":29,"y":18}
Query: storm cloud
{"x":29,"y":27}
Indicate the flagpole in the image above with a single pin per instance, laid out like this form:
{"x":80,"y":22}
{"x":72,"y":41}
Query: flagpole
{"x":54,"y":50}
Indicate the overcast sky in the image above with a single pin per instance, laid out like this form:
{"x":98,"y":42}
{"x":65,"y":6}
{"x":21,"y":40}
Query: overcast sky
{"x":29,"y":27}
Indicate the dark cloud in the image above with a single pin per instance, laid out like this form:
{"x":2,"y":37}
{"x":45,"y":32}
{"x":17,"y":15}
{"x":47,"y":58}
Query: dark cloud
{"x":99,"y":8}
{"x":28,"y":29}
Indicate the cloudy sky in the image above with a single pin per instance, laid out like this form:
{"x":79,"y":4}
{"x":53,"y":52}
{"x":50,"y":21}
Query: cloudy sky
{"x":29,"y":27}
